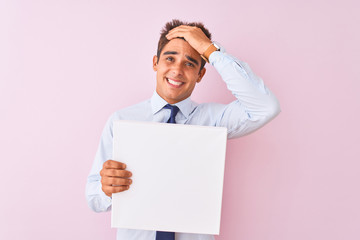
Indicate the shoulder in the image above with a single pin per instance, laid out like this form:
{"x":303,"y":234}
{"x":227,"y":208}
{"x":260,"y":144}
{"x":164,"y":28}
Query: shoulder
{"x":133,"y":112}
{"x":214,"y":111}
{"x":210,"y":107}
{"x":207,"y":112}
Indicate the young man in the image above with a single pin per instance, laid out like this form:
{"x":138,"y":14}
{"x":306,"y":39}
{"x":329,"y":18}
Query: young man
{"x":179,"y":63}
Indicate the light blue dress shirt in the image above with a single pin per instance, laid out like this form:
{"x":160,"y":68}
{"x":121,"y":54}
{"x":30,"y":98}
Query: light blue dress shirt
{"x":255,"y":106}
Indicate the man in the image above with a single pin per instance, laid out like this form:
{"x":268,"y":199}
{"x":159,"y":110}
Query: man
{"x":179,"y":63}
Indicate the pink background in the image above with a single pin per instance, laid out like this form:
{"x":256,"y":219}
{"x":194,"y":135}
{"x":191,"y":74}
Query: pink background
{"x":65,"y":66}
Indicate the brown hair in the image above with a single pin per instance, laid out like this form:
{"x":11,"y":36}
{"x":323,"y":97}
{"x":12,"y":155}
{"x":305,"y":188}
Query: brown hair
{"x":173,"y":24}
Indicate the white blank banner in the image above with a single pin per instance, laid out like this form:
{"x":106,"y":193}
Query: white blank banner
{"x":178,"y":173}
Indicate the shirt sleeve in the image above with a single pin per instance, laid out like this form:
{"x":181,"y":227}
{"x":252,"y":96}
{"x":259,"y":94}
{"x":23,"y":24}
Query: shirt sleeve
{"x":96,"y":198}
{"x":255,"y":106}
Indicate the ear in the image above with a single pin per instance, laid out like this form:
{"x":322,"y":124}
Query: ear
{"x":155,"y":59}
{"x":201,"y":74}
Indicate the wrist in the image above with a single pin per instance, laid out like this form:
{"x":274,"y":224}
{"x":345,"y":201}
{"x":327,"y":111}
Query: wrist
{"x":212,"y":48}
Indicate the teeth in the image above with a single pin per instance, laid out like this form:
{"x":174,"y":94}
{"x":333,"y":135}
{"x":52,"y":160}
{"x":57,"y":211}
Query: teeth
{"x":174,"y":83}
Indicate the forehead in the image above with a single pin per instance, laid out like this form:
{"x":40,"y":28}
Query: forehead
{"x":181,"y":47}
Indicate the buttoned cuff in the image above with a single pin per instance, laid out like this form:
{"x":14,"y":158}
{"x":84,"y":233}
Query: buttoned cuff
{"x":106,"y":200}
{"x":216,"y":54}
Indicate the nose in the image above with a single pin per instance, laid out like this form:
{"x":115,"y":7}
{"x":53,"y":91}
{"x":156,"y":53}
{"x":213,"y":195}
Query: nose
{"x":177,"y":69}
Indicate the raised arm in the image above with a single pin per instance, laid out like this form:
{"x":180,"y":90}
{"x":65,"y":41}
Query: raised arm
{"x":255,"y":106}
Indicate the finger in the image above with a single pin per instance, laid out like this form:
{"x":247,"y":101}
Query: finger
{"x":177,"y":33}
{"x":108,"y":190}
{"x":111,"y":172}
{"x":114,"y":164}
{"x":187,"y":33}
{"x":111,"y":181}
{"x":175,"y":30}
{"x":183,"y":27}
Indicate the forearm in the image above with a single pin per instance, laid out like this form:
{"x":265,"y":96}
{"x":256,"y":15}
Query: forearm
{"x":96,"y":198}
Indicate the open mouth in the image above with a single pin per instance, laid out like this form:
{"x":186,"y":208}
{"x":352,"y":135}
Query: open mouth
{"x":174,"y":83}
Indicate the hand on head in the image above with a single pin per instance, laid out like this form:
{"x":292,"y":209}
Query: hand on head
{"x":193,"y":35}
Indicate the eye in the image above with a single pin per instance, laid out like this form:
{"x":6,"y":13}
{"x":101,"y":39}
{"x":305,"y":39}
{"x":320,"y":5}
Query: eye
{"x":170,"y":59}
{"x":190,"y":64}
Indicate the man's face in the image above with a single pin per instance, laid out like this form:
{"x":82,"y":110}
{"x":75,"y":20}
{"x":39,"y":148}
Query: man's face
{"x":177,"y":71}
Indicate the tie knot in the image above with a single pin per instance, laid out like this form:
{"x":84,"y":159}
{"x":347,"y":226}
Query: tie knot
{"x":174,"y":110}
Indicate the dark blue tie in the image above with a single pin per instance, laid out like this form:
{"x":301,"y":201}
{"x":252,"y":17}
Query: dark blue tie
{"x":165,"y":235}
{"x":174,"y":110}
{"x":168,"y":235}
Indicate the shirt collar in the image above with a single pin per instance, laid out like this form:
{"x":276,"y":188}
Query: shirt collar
{"x":186,"y":106}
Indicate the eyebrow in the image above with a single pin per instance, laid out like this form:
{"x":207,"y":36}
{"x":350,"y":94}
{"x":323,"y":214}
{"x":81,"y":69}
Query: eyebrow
{"x":188,"y":57}
{"x":192,"y":60}
{"x":170,"y":53}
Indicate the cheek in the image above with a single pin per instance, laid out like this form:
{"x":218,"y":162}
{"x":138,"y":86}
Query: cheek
{"x":191,"y":86}
{"x":194,"y":77}
{"x":162,"y":70}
